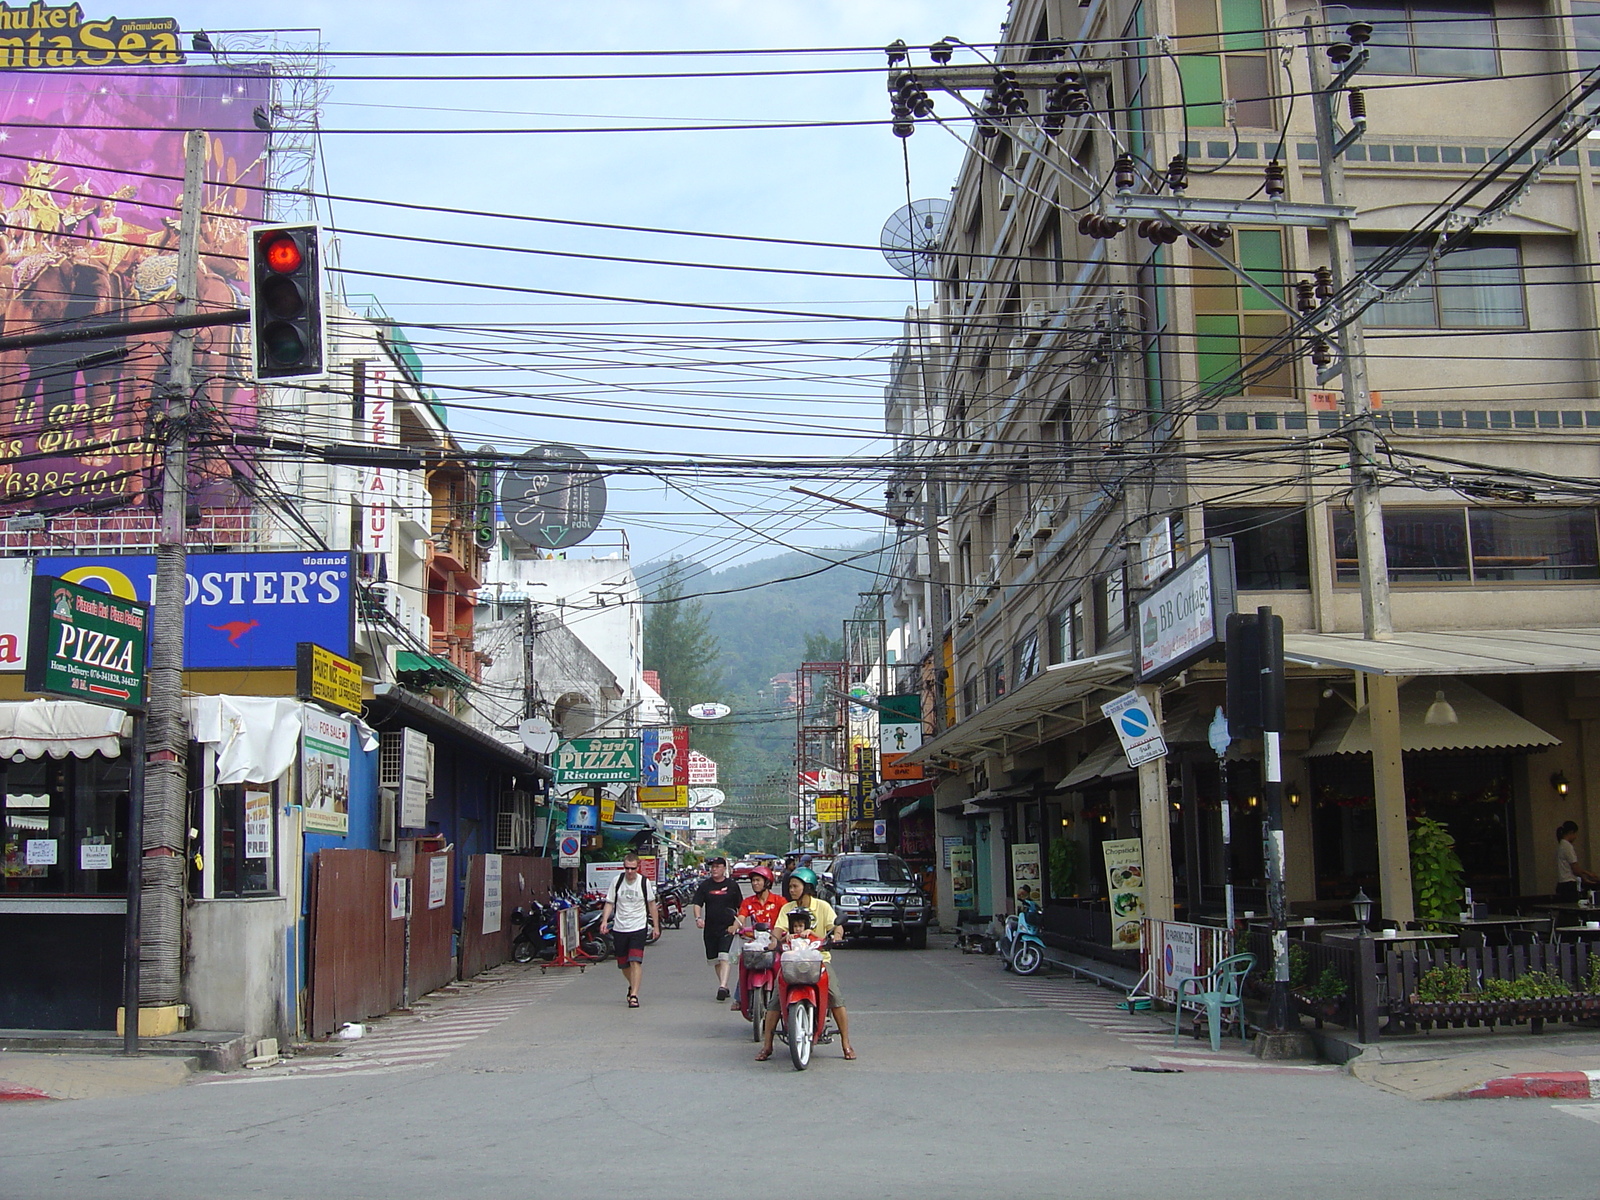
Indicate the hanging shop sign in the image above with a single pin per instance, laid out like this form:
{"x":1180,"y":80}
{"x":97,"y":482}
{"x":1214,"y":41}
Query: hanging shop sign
{"x":242,"y":611}
{"x":665,"y":761}
{"x":1183,"y":619}
{"x":1124,"y":859}
{"x":378,"y":485}
{"x":678,"y":821}
{"x":553,"y":497}
{"x":832,"y":806}
{"x":702,"y":770}
{"x":86,"y":645}
{"x":702,"y":820}
{"x":608,"y":809}
{"x":583,"y":818}
{"x":663,"y":797}
{"x":327,"y":678}
{"x":45,"y":35}
{"x":709,"y":711}
{"x":899,"y":733}
{"x":325,"y":772}
{"x":597,"y":760}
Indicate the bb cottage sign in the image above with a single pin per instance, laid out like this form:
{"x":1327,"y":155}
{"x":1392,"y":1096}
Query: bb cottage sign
{"x":46,"y":35}
{"x":1183,"y":618}
{"x":86,"y":645}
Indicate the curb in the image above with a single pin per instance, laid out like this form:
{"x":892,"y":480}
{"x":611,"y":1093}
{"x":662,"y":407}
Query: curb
{"x":17,"y":1091}
{"x":1543,"y":1085}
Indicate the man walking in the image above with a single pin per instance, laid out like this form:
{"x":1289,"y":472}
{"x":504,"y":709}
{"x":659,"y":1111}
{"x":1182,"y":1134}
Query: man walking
{"x":716,"y":911}
{"x":630,"y":913}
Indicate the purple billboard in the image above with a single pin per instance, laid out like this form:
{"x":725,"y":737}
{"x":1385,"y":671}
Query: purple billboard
{"x":91,"y":180}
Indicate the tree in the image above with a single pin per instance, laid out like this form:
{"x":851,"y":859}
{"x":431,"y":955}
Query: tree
{"x":678,"y":643}
{"x":748,"y":838}
{"x":822,"y":648}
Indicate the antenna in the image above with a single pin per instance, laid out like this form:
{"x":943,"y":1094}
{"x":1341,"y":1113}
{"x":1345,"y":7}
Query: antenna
{"x":912,"y":237}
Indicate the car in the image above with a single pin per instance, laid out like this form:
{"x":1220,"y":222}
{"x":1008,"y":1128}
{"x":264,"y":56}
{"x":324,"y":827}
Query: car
{"x":744,"y":868}
{"x":876,"y":894}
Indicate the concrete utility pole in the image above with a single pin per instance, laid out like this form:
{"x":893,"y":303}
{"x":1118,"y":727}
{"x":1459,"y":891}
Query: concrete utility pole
{"x":1383,"y":691}
{"x":164,"y":852}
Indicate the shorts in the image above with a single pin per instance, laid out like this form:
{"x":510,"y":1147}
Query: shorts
{"x":629,"y":946}
{"x":835,"y":996}
{"x":719,"y":943}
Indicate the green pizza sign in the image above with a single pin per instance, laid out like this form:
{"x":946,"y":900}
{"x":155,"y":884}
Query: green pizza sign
{"x":86,"y":644}
{"x":598,"y":760}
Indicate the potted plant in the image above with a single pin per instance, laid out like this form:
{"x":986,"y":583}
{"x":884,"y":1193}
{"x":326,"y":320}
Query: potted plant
{"x":1436,"y":871}
{"x":1324,"y":998}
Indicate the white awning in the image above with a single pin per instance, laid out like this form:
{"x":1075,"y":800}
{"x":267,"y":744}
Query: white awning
{"x":1480,"y":724}
{"x":35,"y":728}
{"x":1451,"y":652}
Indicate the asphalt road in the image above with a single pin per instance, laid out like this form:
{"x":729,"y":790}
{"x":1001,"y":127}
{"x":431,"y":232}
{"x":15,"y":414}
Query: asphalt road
{"x":969,"y":1084}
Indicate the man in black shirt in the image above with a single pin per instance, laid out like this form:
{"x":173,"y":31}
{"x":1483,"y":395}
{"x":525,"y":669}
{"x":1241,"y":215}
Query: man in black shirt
{"x":716,"y":911}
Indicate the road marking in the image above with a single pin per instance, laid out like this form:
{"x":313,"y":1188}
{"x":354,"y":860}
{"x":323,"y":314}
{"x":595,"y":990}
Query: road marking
{"x":1584,"y":1112}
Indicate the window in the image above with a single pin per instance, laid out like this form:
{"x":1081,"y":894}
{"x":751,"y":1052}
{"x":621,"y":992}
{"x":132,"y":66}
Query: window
{"x":871,"y":869}
{"x":1476,"y":287}
{"x":1235,"y":324}
{"x":1062,"y":643}
{"x":995,"y":677}
{"x":1027,"y":657}
{"x":246,"y":816}
{"x":1113,"y":603}
{"x":1480,"y":545}
{"x":65,"y":826}
{"x":969,"y":697}
{"x":1430,"y":37}
{"x":1586,"y":33}
{"x":1271,"y":552}
{"x":1222,"y":56}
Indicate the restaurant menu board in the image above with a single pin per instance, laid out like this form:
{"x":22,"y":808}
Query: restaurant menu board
{"x":963,"y":878}
{"x":1025,"y":873}
{"x":1125,"y":885}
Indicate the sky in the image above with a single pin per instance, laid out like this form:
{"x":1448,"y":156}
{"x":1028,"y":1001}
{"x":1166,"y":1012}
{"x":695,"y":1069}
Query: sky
{"x":655,"y":376}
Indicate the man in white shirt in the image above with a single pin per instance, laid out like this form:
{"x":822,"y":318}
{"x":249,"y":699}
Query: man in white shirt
{"x":631,"y":916}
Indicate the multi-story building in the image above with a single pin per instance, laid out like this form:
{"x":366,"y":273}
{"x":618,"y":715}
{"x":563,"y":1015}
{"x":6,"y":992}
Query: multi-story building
{"x":1110,"y":395}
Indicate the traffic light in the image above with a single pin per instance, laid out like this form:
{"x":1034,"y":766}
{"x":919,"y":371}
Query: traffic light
{"x":288,"y":331}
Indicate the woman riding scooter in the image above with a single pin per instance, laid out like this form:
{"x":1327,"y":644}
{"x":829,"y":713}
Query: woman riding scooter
{"x":801,"y":886}
{"x":759,"y":909}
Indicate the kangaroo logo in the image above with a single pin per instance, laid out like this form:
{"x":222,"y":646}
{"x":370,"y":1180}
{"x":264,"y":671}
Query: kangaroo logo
{"x":235,"y":630}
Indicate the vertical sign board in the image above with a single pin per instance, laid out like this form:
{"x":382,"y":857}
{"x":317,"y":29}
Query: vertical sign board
{"x":569,"y":850}
{"x":665,"y":757}
{"x":1182,"y":619}
{"x":413,"y":778}
{"x":438,"y":880}
{"x":257,"y":823}
{"x":377,"y":491}
{"x":899,"y":733}
{"x":1180,"y":953}
{"x":1125,"y":885}
{"x":702,"y":770}
{"x":492,"y":868}
{"x":963,"y":877}
{"x":1025,"y":872}
{"x":583,"y":818}
{"x":86,"y":645}
{"x":325,"y":772}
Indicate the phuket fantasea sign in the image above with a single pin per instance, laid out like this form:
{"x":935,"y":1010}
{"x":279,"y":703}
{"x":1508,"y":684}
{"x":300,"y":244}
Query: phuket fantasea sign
{"x":45,"y":35}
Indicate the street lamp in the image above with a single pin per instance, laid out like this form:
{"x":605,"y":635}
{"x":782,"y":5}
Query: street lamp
{"x":1362,"y":904}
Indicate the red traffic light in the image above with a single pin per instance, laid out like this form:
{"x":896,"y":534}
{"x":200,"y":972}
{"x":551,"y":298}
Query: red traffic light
{"x":281,"y":253}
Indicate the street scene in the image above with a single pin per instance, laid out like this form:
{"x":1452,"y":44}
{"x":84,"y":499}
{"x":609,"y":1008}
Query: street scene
{"x":904,"y":597}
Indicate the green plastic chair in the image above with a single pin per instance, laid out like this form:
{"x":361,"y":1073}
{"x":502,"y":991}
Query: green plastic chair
{"x":1219,"y":989}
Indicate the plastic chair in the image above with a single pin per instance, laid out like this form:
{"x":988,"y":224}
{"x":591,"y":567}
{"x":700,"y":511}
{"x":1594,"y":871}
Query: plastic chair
{"x":1219,"y":989}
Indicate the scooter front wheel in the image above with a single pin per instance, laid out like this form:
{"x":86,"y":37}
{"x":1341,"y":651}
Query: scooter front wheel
{"x":1028,"y":959}
{"x":801,"y":1023}
{"x":758,"y":1012}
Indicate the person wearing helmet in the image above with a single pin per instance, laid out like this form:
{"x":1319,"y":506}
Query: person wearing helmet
{"x":801,"y":885}
{"x":759,"y":908}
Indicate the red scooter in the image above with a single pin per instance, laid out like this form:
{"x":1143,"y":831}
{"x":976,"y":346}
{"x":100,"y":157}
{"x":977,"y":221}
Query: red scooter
{"x":802,"y":1004}
{"x":758,"y":977}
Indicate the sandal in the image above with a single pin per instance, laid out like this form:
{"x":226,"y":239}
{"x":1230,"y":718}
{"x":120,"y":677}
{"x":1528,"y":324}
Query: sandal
{"x":633,"y":1001}
{"x":850,"y":1054}
{"x":764,"y":1055}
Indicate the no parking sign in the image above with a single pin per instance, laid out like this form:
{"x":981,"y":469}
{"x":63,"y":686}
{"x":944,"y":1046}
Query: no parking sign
{"x":1135,"y":722}
{"x":568,"y":849}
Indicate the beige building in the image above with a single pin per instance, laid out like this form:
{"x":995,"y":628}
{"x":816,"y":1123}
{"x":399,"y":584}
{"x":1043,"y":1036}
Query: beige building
{"x":1094,"y":399}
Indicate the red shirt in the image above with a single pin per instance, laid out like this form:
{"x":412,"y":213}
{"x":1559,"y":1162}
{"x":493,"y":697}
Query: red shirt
{"x":762,"y":909}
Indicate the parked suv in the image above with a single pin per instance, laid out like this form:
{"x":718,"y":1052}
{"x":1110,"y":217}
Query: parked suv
{"x":876,"y":894}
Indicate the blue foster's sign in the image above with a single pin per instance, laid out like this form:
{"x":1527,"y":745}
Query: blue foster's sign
{"x":244,"y":611}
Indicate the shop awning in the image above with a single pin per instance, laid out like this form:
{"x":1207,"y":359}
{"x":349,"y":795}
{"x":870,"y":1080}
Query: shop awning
{"x":435,"y":669}
{"x":1105,"y":761}
{"x":1451,"y":652}
{"x":36,"y":728}
{"x":393,"y":703}
{"x":1481,"y":724}
{"x":1055,"y":702}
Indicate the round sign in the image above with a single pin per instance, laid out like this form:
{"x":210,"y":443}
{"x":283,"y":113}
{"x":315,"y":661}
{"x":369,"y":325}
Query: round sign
{"x":707,"y":797}
{"x":570,"y":844}
{"x":552,"y":497}
{"x":709,"y":711}
{"x":538,"y":735}
{"x":1135,"y":722}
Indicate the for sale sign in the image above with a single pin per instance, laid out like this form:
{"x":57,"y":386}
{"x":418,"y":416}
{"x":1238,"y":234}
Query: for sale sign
{"x":86,"y":645}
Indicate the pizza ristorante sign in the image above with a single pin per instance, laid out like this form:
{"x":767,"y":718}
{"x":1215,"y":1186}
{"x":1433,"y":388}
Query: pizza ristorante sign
{"x":45,"y":35}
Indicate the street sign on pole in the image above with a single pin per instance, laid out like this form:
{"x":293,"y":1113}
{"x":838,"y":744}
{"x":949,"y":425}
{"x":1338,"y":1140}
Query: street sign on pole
{"x":1135,"y":722}
{"x":86,"y":645}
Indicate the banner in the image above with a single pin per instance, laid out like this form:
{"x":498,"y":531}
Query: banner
{"x":963,"y":877}
{"x":86,"y":645}
{"x":663,"y":797}
{"x":1125,"y":885}
{"x":665,"y":760}
{"x":899,"y":733}
{"x":1025,"y":873}
{"x":325,"y":772}
{"x":492,"y":866}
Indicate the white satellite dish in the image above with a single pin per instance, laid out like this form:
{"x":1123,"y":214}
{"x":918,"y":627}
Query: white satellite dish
{"x":538,"y":735}
{"x":709,"y":711}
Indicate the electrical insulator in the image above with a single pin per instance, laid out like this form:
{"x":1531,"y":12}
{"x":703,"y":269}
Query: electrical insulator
{"x":1074,"y":99}
{"x":1095,"y":226}
{"x":1274,"y":183}
{"x":1358,"y":105}
{"x":1324,"y":278}
{"x":1178,"y":173}
{"x":896,"y":50}
{"x":1359,"y":32}
{"x":993,"y":111}
{"x":1158,"y":232}
{"x":1123,"y":172}
{"x":941,"y":50}
{"x":1339,"y":51}
{"x":1321,"y":352}
{"x":1213,"y":235}
{"x":1305,"y":296}
{"x":902,"y":129}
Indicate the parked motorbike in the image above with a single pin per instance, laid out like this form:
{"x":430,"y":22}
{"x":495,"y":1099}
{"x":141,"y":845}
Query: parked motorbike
{"x":672,"y":906}
{"x":1021,"y":949}
{"x":758,"y":978}
{"x":536,"y":933}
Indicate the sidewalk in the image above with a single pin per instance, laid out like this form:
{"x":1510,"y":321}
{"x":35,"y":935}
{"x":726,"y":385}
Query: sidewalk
{"x":1471,"y":1064}
{"x":26,"y":1075}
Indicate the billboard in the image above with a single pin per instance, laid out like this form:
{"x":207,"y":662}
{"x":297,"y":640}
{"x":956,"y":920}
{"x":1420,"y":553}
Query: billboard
{"x":244,"y":611}
{"x":91,"y":177}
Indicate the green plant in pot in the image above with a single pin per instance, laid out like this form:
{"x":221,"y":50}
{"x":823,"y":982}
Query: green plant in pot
{"x":1436,"y":871}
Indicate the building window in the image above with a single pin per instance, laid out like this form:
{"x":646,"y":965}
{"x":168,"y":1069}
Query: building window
{"x":1113,"y":603}
{"x":1236,"y":327}
{"x":1223,"y":56}
{"x":969,"y":697}
{"x":1586,"y":33}
{"x":1479,"y":545}
{"x":1430,"y":37}
{"x":1476,"y":287}
{"x":1271,"y":552}
{"x":1027,"y":657}
{"x":995,"y":680}
{"x":1059,"y":631}
{"x":246,"y":850}
{"x":65,"y":826}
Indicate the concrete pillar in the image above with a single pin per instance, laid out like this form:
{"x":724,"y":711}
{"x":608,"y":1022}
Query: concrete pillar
{"x":1389,"y":797}
{"x":999,"y":864}
{"x":1155,"y":825}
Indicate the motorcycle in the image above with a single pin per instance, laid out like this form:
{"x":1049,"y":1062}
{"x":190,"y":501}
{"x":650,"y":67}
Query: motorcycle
{"x":671,"y":902}
{"x":536,"y":933}
{"x":802,"y":1003}
{"x":758,"y":977}
{"x":1021,"y":949}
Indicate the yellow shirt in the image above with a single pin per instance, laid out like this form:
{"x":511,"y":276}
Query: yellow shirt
{"x":823,"y":919}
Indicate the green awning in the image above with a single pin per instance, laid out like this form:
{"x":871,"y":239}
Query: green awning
{"x":438,"y":670}
{"x":920,"y":804}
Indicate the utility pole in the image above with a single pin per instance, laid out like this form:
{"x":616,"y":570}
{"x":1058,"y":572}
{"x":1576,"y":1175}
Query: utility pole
{"x":163,"y":856}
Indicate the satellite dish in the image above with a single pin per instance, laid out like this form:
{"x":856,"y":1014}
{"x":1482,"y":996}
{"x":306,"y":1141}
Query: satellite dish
{"x":911,"y":239}
{"x":538,"y":735}
{"x":709,"y":711}
{"x":553,"y":497}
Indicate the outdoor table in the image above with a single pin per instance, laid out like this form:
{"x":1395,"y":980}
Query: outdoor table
{"x":1498,"y":924}
{"x":1404,"y":935}
{"x":1578,"y":932}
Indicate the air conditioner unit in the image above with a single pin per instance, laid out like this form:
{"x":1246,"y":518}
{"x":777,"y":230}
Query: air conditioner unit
{"x":1037,"y":314}
{"x":1008,"y":192}
{"x":1022,"y":539}
{"x":1043,"y":524}
{"x":976,"y":436}
{"x":1017,"y":357}
{"x":512,"y":831}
